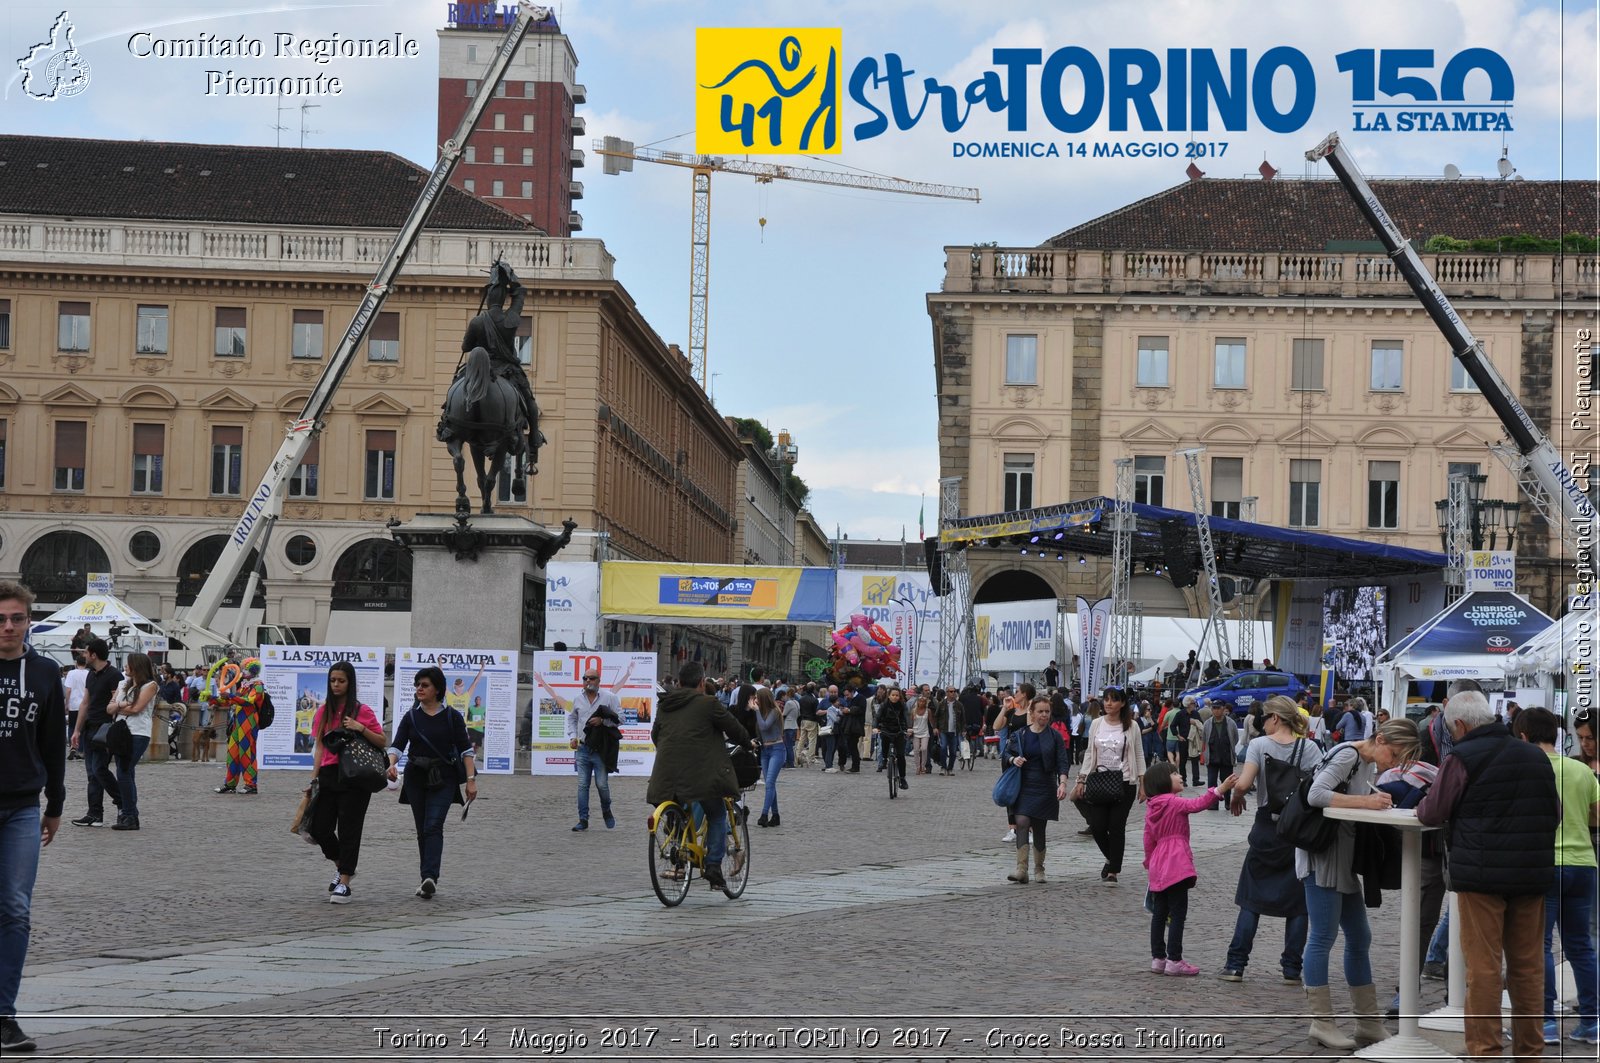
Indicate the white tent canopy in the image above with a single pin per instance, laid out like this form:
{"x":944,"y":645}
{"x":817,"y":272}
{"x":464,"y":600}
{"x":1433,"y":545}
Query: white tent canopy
{"x":96,"y":610}
{"x":1156,"y":671}
{"x":99,"y":611}
{"x":1471,"y":638}
{"x":1553,"y":649}
{"x":1175,"y":636}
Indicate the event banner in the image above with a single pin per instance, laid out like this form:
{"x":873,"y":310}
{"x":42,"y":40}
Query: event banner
{"x":296,"y":679}
{"x":1094,"y":627}
{"x":1016,"y":636}
{"x":879,"y":595}
{"x":479,"y":684}
{"x":572,"y":604}
{"x":720,"y":594}
{"x":558,"y":678}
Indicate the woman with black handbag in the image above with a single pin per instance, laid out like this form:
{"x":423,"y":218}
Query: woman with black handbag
{"x":1039,"y":751}
{"x":340,"y":812}
{"x":1110,"y":778}
{"x":439,"y":759}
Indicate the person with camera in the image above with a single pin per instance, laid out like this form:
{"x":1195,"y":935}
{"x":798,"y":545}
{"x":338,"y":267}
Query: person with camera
{"x":439,"y":760}
{"x":340,"y":813}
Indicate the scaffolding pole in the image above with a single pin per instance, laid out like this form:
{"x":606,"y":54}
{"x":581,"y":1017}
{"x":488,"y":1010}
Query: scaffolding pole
{"x":1122,"y":637}
{"x":1247,"y":598}
{"x":1215,"y":628}
{"x":958,"y":653}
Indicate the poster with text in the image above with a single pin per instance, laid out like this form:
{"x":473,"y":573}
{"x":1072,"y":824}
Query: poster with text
{"x":558,"y":678}
{"x":296,"y":678}
{"x":479,"y":684}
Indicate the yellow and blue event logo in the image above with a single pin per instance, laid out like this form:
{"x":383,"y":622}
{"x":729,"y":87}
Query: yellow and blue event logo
{"x":747,"y":104}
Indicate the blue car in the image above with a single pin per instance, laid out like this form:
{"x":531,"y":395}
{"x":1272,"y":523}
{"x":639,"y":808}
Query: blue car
{"x":1239,"y":690}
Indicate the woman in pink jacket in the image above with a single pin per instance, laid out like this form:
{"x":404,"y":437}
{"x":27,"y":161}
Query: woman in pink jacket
{"x":1170,"y":862}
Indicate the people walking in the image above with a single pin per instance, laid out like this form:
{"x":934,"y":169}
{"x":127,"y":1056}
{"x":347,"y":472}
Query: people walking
{"x":1334,"y":901}
{"x":769,"y":728}
{"x":581,"y":716}
{"x":440,"y":759}
{"x":847,"y":733}
{"x":806,"y":750}
{"x":100,"y":686}
{"x":1038,"y":750}
{"x":33,"y":759}
{"x":340,"y":813}
{"x":134,"y":704}
{"x":1218,"y":737}
{"x":1114,"y":745}
{"x":789,"y":701}
{"x":921,"y":734}
{"x":1169,"y":862}
{"x":951,"y":720}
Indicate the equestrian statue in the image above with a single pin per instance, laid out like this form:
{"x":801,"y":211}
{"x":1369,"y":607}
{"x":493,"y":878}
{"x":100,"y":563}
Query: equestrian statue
{"x":489,"y":406}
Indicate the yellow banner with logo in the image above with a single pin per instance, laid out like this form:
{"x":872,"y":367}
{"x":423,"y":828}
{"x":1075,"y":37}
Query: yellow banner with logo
{"x":722,"y":594}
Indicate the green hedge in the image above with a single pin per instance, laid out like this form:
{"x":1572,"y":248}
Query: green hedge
{"x":1516,"y":243}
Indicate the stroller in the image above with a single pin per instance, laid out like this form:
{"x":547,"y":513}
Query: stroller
{"x":175,"y":731}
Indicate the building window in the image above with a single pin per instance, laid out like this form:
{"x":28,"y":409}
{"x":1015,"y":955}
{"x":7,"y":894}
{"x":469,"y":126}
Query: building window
{"x":527,"y":154}
{"x":499,"y":124}
{"x":1305,"y":366}
{"x":1022,"y":360}
{"x":145,"y":546}
{"x":72,"y":327}
{"x":470,"y":185}
{"x":472,"y":88}
{"x":227,"y":459}
{"x":525,"y":340}
{"x":379,"y":486}
{"x":502,"y":490}
{"x":1459,"y":380}
{"x":1152,"y":371}
{"x":500,"y":153}
{"x":527,"y":190}
{"x":1229,"y":371}
{"x":152,"y":331}
{"x":527,"y":121}
{"x":384,"y":345}
{"x":230,"y":332}
{"x":1227,"y":487}
{"x":1149,"y":480}
{"x":1019,"y":482}
{"x":499,"y":189}
{"x":303,"y":481}
{"x":308,"y":334}
{"x":149,"y":453}
{"x":300,"y":550}
{"x":500,"y":89}
{"x":472,"y":53}
{"x":1388,"y":365}
{"x":1461,"y":468}
{"x":5,"y":324}
{"x":72,"y":445}
{"x":1383,"y":494}
{"x":470,"y":155}
{"x":1305,"y":493}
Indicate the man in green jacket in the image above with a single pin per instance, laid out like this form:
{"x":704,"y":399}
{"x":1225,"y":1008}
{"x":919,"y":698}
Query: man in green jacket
{"x":692,"y":762}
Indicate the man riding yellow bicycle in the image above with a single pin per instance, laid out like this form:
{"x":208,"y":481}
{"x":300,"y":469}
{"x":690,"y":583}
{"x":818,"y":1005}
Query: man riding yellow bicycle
{"x":692,"y":765}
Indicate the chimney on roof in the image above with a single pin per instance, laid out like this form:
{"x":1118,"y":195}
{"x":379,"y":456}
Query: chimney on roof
{"x":1194,"y":172}
{"x":1266,"y":170}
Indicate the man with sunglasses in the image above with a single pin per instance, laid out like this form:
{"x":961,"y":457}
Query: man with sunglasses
{"x":33,"y":757}
{"x":581,"y":716}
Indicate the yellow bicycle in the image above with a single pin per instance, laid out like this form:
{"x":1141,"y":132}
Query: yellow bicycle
{"x":678,"y":849}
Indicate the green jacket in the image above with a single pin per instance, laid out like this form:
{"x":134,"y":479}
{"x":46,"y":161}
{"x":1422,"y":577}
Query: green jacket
{"x":691,"y":758}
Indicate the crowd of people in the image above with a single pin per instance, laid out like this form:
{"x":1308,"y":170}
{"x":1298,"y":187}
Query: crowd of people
{"x":1517,"y":819}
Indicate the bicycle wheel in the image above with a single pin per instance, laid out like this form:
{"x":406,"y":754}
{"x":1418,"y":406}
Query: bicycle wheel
{"x":736,"y":861}
{"x":667,"y":857}
{"x":894,"y":784}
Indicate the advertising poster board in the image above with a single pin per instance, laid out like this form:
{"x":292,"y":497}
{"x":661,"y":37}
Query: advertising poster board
{"x":572,"y":603}
{"x":557,"y":679}
{"x":296,"y":679}
{"x":877,"y":594}
{"x":1020,"y":636}
{"x":480,"y":684}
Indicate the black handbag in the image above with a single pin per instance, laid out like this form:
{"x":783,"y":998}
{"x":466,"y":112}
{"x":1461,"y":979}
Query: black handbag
{"x":119,"y":739}
{"x":746,"y":766}
{"x":101,"y":734}
{"x":436,"y":775}
{"x":362,"y":766}
{"x":1303,"y":824}
{"x":1103,"y":786}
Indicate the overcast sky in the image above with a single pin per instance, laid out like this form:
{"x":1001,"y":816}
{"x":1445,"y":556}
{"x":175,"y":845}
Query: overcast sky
{"x":817,"y":319}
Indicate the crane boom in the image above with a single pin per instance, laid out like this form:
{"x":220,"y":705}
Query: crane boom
{"x":1550,"y":484}
{"x":620,"y":155}
{"x":262,"y":510}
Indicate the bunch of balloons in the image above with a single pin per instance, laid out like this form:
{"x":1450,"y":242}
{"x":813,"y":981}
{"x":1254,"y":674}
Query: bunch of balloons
{"x":862,"y":645}
{"x":234,"y":684}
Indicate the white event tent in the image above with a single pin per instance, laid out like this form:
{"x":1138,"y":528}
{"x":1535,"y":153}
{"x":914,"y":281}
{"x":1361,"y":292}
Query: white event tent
{"x":1472,"y":638}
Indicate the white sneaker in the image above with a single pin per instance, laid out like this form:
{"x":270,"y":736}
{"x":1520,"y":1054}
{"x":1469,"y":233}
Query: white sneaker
{"x":830,"y":771}
{"x":1011,"y":835}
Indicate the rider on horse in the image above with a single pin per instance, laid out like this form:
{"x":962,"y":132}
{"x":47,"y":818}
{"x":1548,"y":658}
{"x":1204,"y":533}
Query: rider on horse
{"x":495,"y":330}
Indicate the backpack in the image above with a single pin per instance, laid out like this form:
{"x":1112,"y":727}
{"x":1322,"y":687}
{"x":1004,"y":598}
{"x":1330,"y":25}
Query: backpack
{"x":266,"y":713}
{"x":1283,"y":777}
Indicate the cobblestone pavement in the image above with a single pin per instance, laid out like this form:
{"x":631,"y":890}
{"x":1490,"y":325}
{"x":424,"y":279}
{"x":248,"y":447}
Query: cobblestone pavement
{"x":871,"y":929}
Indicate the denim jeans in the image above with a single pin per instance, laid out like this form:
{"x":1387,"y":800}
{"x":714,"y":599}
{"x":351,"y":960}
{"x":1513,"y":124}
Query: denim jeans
{"x":1439,"y":946}
{"x":126,"y":786}
{"x":952,"y":749}
{"x":1328,"y":912}
{"x":789,"y":737}
{"x":591,"y":765}
{"x":827,"y":750}
{"x":716,"y":814}
{"x":1244,"y":939}
{"x":429,"y":809}
{"x":772,"y":758}
{"x":19,"y":866}
{"x":1570,"y":903}
{"x":97,"y":763}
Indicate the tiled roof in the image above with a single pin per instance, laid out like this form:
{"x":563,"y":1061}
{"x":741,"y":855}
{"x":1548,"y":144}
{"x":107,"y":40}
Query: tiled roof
{"x":1309,"y":214}
{"x":226,"y":184}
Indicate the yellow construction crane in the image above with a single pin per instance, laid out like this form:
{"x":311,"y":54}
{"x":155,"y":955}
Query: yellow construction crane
{"x":620,"y":155}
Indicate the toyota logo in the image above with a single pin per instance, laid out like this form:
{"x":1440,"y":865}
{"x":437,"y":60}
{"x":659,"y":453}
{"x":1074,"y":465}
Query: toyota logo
{"x":1498,"y":641}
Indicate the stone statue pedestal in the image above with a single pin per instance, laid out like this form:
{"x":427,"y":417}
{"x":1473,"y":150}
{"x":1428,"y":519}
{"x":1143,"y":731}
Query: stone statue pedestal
{"x":481,"y":584}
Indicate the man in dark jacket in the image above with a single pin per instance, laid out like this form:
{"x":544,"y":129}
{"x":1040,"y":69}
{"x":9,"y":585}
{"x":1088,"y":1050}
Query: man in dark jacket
{"x":33,"y":757}
{"x":692,"y":762}
{"x":852,"y":725}
{"x":1497,"y":798}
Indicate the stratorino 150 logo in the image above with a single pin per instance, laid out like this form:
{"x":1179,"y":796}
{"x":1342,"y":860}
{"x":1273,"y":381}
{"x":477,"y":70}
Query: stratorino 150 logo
{"x":767,"y":91}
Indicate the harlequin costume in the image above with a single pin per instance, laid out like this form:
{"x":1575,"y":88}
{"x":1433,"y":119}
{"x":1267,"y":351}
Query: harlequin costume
{"x":237,"y":689}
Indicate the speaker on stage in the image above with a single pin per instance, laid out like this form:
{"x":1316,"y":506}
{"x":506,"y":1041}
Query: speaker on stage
{"x":935,"y":563}
{"x":1176,"y":554}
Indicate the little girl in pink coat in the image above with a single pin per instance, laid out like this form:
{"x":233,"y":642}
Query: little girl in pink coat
{"x":1170,"y":863}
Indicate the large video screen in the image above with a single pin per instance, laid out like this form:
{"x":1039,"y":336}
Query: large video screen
{"x":1356,"y":621}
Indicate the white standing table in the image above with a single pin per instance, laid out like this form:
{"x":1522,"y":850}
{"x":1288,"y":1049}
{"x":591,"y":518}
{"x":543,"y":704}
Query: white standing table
{"x":1408,"y":1044}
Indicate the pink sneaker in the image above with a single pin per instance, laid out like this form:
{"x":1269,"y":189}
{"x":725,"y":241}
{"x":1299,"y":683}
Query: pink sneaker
{"x":1179,"y":969}
{"x":1158,"y":966}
